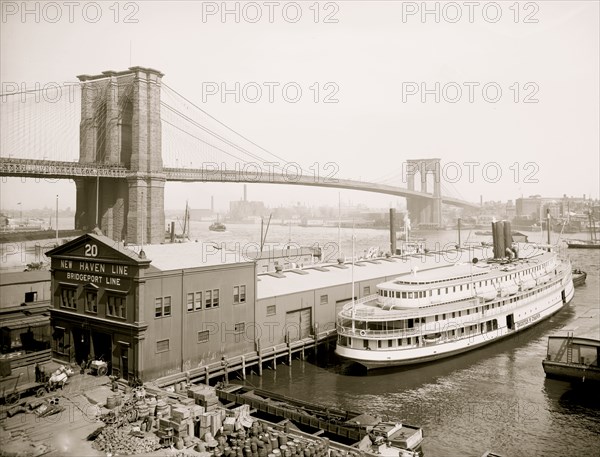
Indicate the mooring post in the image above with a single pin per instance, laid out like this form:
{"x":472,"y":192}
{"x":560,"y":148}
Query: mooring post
{"x":225,"y":364}
{"x":244,"y":368}
{"x":316,"y":338}
{"x":206,"y":376}
{"x":260,"y":363}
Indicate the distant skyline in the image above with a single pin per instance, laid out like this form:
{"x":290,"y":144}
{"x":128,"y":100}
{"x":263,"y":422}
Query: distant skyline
{"x":376,"y":60}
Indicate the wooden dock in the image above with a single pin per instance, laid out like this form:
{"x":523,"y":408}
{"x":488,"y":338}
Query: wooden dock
{"x":258,"y":360}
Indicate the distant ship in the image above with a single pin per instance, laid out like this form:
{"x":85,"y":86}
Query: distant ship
{"x":592,"y":243}
{"x":217,"y":226}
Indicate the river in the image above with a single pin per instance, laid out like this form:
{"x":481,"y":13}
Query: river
{"x":495,"y":398}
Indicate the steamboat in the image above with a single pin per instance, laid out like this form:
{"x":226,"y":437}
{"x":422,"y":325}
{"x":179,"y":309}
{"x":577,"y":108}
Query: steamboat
{"x":442,"y":309}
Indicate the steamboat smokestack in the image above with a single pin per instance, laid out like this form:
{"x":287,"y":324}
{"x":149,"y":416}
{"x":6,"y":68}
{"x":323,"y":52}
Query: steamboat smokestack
{"x":507,"y":236}
{"x":498,"y":237}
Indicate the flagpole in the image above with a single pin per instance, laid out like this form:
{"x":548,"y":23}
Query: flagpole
{"x":353,"y":301}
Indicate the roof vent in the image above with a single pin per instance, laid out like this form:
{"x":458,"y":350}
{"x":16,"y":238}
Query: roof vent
{"x":142,"y":254}
{"x":278,"y":268}
{"x":340,"y":261}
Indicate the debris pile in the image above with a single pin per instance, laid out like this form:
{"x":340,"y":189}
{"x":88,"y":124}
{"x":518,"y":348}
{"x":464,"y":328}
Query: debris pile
{"x":121,"y":441}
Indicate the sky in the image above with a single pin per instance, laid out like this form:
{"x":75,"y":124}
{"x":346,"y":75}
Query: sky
{"x":506,"y":94}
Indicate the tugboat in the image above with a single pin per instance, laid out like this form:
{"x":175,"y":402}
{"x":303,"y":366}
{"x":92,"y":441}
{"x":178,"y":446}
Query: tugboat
{"x":217,"y":226}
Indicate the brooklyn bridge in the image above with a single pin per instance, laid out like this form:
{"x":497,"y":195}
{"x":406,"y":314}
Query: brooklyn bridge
{"x":136,"y":133}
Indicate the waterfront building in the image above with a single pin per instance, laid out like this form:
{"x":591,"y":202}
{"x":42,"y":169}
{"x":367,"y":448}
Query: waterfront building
{"x":24,"y":316}
{"x":149,"y":311}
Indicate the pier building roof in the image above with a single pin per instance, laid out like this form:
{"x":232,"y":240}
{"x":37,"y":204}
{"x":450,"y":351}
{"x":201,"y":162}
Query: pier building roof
{"x":330,"y":275}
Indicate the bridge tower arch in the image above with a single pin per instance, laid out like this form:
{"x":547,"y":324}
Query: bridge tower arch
{"x":121,"y":126}
{"x":425,"y":211}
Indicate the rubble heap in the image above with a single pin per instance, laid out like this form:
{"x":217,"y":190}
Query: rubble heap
{"x":120,"y":441}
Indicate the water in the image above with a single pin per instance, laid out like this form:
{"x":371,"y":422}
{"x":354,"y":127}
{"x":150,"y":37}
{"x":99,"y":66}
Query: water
{"x":495,"y":398}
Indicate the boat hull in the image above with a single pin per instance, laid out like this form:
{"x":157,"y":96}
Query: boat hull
{"x":429,"y":353}
{"x":571,"y":372}
{"x":583,"y":246}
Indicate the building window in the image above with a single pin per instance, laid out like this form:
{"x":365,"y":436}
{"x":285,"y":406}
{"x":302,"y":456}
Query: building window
{"x":212,"y":298}
{"x":162,"y":307}
{"x":91,"y":301}
{"x":162,"y":346}
{"x":271,"y":310}
{"x":324,"y":299}
{"x":203,"y":336}
{"x":30,"y":297}
{"x":366,"y":290}
{"x":62,"y":341}
{"x":67,"y":298}
{"x":240,"y":327}
{"x":239,"y":294}
{"x":190,"y":301}
{"x":116,"y":306}
{"x":198,"y":301}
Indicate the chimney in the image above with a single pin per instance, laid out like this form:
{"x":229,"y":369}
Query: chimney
{"x":172,"y":231}
{"x":393,"y":231}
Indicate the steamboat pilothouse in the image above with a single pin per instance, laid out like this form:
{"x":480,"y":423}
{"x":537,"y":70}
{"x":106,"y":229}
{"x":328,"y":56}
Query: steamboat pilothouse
{"x":439,"y":309}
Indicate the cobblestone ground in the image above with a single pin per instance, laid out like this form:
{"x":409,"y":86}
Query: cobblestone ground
{"x":64,"y":433}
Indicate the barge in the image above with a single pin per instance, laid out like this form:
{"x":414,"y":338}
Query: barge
{"x":572,"y":358}
{"x":360,"y":431}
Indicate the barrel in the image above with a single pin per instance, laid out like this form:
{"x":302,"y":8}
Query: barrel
{"x":282,"y":439}
{"x":274,"y":442}
{"x":151,"y":406}
{"x":142,"y":408}
{"x":179,"y":443}
{"x":111,"y":402}
{"x":162,"y":408}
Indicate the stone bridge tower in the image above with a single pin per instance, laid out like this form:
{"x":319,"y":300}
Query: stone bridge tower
{"x":121,"y":126}
{"x":425,"y":211}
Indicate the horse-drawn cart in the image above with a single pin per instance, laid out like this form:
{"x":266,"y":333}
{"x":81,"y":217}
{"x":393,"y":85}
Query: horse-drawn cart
{"x":30,"y":380}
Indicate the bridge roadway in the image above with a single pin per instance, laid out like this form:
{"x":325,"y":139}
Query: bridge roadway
{"x":69,"y":170}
